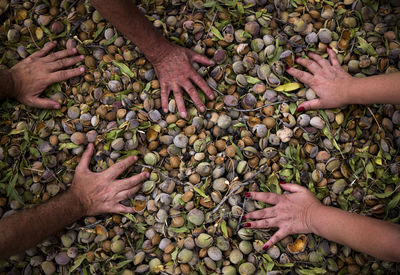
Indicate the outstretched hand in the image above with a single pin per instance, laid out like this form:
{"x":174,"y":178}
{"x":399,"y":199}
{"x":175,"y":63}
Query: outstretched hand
{"x":33,"y":74}
{"x":176,"y":74}
{"x":291,"y":212}
{"x":327,"y":78}
{"x":101,"y":192}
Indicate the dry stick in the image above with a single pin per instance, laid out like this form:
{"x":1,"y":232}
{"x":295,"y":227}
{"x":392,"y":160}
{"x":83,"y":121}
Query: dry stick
{"x":241,"y":215}
{"x":68,"y":9}
{"x":369,"y":109}
{"x":255,"y":109}
{"x":244,"y":183}
{"x":212,"y":23}
{"x":217,"y":91}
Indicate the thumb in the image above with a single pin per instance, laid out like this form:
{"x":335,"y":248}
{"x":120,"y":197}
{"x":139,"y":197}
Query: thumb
{"x":310,"y":105}
{"x":199,"y":58}
{"x":294,"y":188}
{"x":43,"y":103}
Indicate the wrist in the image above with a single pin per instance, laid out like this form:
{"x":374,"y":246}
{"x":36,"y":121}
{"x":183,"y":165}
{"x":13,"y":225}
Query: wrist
{"x":76,"y":202}
{"x":351,"y":84}
{"x":8,"y":88}
{"x":157,"y":54}
{"x":313,"y":218}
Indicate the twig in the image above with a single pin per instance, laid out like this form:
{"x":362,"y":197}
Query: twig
{"x":161,"y":173}
{"x":255,"y":109}
{"x":217,"y":91}
{"x":244,"y":183}
{"x":33,"y":39}
{"x":212,"y":23}
{"x":241,"y":215}
{"x":68,"y":9}
{"x":369,"y":109}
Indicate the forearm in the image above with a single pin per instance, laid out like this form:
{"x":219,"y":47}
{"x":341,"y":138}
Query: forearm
{"x":124,"y":15}
{"x":26,"y":228}
{"x":378,"y":238}
{"x":6,"y":84}
{"x":378,"y":89}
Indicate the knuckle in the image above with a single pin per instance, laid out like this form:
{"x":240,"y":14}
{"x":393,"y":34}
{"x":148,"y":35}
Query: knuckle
{"x":265,"y":223}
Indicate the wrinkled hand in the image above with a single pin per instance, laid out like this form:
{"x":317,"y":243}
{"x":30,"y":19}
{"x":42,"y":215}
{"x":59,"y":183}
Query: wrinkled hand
{"x":328,"y":79}
{"x":101,"y":192}
{"x":33,"y":74}
{"x":175,"y":73}
{"x":291,"y":212}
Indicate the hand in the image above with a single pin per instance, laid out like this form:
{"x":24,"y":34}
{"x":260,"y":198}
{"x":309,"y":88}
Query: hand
{"x":328,"y":80}
{"x":291,"y":213}
{"x":101,"y":192}
{"x":175,"y":73}
{"x":33,"y":74}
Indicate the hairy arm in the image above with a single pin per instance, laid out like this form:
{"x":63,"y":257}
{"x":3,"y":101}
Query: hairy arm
{"x":90,"y":194}
{"x":41,"y":221}
{"x":6,"y":84}
{"x":172,"y":64}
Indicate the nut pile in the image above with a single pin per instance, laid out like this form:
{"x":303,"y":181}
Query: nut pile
{"x":188,"y":214}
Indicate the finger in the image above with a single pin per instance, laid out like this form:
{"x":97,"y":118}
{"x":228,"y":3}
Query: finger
{"x":321,"y":61}
{"x":45,"y":50}
{"x":199,"y":58}
{"x":191,"y":90}
{"x":264,"y":223}
{"x":65,"y":62}
{"x":311,"y":65}
{"x":304,"y":77}
{"x":164,"y":97}
{"x":65,"y":74}
{"x":180,"y":102}
{"x":333,"y":58}
{"x":127,"y":194}
{"x":83,"y":165}
{"x":267,"y":197}
{"x":114,"y":171}
{"x":265,"y":213}
{"x":279,"y":235}
{"x":312,"y":104}
{"x":123,"y":209}
{"x":43,"y":103}
{"x":202,"y":84}
{"x":294,"y":188}
{"x":60,"y":54}
{"x":129,"y":183}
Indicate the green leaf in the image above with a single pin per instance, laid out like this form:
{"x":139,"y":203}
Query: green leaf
{"x":125,"y":69}
{"x":216,"y":32}
{"x":182,"y":229}
{"x":69,"y":145}
{"x":366,"y":47}
{"x":11,"y":192}
{"x":78,"y":261}
{"x":394,"y":202}
{"x":224,"y":229}
{"x":111,"y":40}
{"x":35,"y":152}
{"x":252,"y":80}
{"x":98,"y":32}
{"x":384,"y":195}
{"x":201,"y":192}
{"x":292,"y":107}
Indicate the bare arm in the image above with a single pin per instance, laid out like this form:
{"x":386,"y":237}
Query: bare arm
{"x":90,"y":194}
{"x":335,"y":87}
{"x":6,"y":84}
{"x":372,"y":236}
{"x":300,"y":212}
{"x":173,"y":64}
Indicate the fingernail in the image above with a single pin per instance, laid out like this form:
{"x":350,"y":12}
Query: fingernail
{"x":74,"y":50}
{"x":300,"y":109}
{"x":265,"y":247}
{"x":329,"y":47}
{"x":81,"y":69}
{"x":81,"y":56}
{"x":146,"y":174}
{"x":282,"y":182}
{"x":56,"y":106}
{"x":212,"y":97}
{"x":183,"y":114}
{"x":247,"y":224}
{"x":165,"y":110}
{"x":244,"y":218}
{"x":247,"y":195}
{"x":135,"y":158}
{"x":202,"y":109}
{"x":288,"y":67}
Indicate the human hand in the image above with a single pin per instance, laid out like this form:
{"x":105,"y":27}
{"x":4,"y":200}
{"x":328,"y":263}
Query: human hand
{"x":175,"y":73}
{"x":101,"y":192}
{"x":328,"y":80}
{"x":33,"y":74}
{"x":292,"y":212}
